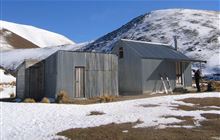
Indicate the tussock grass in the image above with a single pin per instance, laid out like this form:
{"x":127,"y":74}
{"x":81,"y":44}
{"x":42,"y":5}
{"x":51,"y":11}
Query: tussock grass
{"x":62,"y":97}
{"x":29,"y":100}
{"x":106,"y":99}
{"x":45,"y":100}
{"x":12,"y":95}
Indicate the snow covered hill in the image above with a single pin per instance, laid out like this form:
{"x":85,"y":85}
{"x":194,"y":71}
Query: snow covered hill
{"x":197,"y":31}
{"x":14,"y":36}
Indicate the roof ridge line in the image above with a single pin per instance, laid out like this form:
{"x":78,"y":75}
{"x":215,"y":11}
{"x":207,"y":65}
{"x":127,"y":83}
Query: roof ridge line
{"x":146,"y":42}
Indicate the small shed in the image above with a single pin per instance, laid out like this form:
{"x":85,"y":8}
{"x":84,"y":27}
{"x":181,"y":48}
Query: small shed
{"x":142,"y":64}
{"x":80,"y":74}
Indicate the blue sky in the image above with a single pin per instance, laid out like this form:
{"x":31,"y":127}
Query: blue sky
{"x":87,"y":20}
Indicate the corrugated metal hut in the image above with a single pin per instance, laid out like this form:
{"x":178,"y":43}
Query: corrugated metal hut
{"x":80,"y":74}
{"x":141,"y":65}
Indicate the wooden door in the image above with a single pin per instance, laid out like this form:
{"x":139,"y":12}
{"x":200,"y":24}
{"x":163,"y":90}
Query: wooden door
{"x":79,"y":82}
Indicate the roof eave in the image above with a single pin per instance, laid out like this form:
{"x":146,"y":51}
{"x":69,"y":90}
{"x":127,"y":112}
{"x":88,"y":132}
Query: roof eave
{"x":182,"y":60}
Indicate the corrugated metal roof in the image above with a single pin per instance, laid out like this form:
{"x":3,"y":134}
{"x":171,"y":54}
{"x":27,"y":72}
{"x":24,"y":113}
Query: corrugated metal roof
{"x":151,"y":50}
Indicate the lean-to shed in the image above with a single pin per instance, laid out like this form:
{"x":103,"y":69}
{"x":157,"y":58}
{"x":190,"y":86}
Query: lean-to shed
{"x":142,"y":64}
{"x":80,"y":74}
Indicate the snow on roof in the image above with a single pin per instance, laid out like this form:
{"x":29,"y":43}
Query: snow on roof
{"x":10,"y":60}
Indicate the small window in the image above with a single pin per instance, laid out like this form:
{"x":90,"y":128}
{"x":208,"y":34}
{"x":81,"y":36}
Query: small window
{"x":121,"y":53}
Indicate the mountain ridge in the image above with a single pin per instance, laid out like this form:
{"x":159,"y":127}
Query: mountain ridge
{"x":197,"y":31}
{"x":15,"y":36}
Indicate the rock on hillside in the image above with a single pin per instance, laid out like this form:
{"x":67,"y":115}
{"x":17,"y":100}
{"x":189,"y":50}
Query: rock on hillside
{"x":197,"y":32}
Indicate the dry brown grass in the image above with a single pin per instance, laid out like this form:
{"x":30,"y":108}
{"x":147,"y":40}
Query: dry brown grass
{"x":203,"y":102}
{"x":207,"y":131}
{"x":13,"y":83}
{"x":62,"y":97}
{"x":106,"y":99}
{"x":216,"y":85}
{"x":96,"y":113}
{"x":149,"y":105}
{"x":45,"y":100}
{"x":204,"y":86}
{"x":211,"y":116}
{"x":191,"y":108}
{"x":12,"y":95}
{"x":186,"y":120}
{"x":86,"y":101}
{"x":29,"y":100}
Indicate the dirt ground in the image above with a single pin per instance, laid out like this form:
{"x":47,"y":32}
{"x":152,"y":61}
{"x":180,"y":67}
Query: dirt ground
{"x":209,"y":129}
{"x":200,"y":103}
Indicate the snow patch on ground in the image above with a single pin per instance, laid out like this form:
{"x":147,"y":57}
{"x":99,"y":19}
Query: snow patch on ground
{"x":6,"y":88}
{"x":7,"y":91}
{"x":43,"y":121}
{"x":6,"y":78}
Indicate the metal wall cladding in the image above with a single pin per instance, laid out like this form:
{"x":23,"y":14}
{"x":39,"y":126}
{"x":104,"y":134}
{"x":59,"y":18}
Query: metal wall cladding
{"x":142,"y":64}
{"x":20,"y":81}
{"x":27,"y":79}
{"x":114,"y":73}
{"x":50,"y":83}
{"x":94,"y":61}
{"x":101,"y":75}
{"x":187,"y":74}
{"x":65,"y":72}
{"x":152,"y":70}
{"x":100,"y":70}
{"x":130,"y":78}
{"x":107,"y":62}
{"x":34,"y":81}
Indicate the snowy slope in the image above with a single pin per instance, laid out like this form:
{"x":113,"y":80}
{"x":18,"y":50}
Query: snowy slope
{"x":6,"y":84}
{"x":7,"y":78}
{"x":14,"y":35}
{"x":198,"y":33}
{"x":10,"y":60}
{"x":36,"y":121}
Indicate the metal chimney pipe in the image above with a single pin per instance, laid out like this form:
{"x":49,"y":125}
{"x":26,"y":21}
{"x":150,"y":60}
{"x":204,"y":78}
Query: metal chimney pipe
{"x":175,"y":42}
